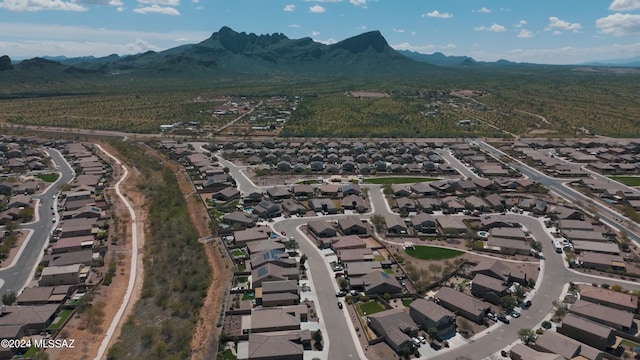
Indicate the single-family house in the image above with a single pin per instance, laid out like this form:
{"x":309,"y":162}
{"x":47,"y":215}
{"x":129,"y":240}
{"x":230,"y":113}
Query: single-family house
{"x":395,"y":326}
{"x":617,"y":319}
{"x":352,"y":225}
{"x":395,"y":225}
{"x":429,"y":315}
{"x":488,"y":288}
{"x":462,"y":304}
{"x":615,"y":299}
{"x":424,"y":223}
{"x":553,"y":342}
{"x":321,"y":228}
{"x":587,"y":331}
{"x":273,"y":272}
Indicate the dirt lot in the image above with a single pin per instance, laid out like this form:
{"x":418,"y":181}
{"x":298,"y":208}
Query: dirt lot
{"x":22,"y":235}
{"x":110,"y":297}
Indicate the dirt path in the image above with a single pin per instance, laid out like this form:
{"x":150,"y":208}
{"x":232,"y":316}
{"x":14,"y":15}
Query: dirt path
{"x":110,"y":297}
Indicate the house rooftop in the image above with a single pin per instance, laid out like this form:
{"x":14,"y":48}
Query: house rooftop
{"x":430,"y":309}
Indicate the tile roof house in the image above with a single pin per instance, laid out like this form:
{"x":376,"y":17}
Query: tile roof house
{"x":275,"y":346}
{"x":488,"y":288}
{"x":523,"y":352}
{"x":429,"y":315}
{"x":617,"y":319}
{"x":293,"y":207}
{"x":266,"y":209}
{"x":272,"y":319}
{"x":587,"y":331}
{"x":395,"y":326}
{"x":462,"y":304}
{"x":352,"y":225}
{"x":360,"y":254}
{"x":610,"y":298}
{"x":354,"y":202}
{"x":321,"y":228}
{"x":551,"y":341}
{"x":395,"y":225}
{"x":274,"y":256}
{"x":499,"y":270}
{"x":348,"y":242}
{"x":241,"y":218}
{"x":273,"y":272}
{"x":61,"y":275}
{"x":379,"y":282}
{"x":424,"y":223}
{"x":600,"y":261}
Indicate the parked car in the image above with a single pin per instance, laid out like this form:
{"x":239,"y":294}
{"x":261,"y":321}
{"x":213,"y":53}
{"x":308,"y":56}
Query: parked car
{"x":416,"y":341}
{"x":339,"y":305}
{"x":492,"y":316}
{"x":515,"y":314}
{"x":503,"y":318}
{"x":422,"y":339}
{"x":341,"y":293}
{"x":435,"y":345}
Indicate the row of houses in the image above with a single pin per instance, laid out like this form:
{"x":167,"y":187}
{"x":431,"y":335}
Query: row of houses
{"x":479,"y":162}
{"x":605,"y":157}
{"x":593,"y":329}
{"x":73,"y":251}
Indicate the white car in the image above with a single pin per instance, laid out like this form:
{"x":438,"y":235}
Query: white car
{"x":422,"y":339}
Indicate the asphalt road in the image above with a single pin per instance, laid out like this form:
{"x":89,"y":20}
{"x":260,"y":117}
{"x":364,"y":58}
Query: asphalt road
{"x":606,"y":214}
{"x":554,"y":276}
{"x":16,"y":277}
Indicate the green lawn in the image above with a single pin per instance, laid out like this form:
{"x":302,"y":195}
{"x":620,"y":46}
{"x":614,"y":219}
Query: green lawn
{"x":407,"y":302}
{"x":242,"y":279}
{"x":398,"y":180}
{"x":227,"y":355}
{"x":249,"y":296}
{"x":378,"y":258}
{"x":370,"y":307}
{"x":628,"y":343}
{"x":432,"y":253}
{"x":62,"y":317}
{"x":389,"y":271}
{"x":47,"y":177}
{"x":627,"y":180}
{"x":238,"y":252}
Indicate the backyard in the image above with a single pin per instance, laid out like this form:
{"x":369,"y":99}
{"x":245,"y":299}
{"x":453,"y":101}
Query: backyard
{"x":370,"y":307}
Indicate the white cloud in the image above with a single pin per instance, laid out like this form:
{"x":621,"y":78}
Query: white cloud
{"x":483,"y":10}
{"x":160,"y":2}
{"x":30,"y":40}
{"x":100,"y":2}
{"x":493,"y":28}
{"x":624,"y":5}
{"x":317,"y":9}
{"x":398,"y":30}
{"x":437,"y":14}
{"x":448,"y":46}
{"x":525,"y":34}
{"x":120,"y":9}
{"x":563,"y":55}
{"x":156,"y":9}
{"x":289,"y":7}
{"x":363,"y":27}
{"x":362,"y":3}
{"x":326,"y":42}
{"x":294,"y":26}
{"x":418,"y":48}
{"x":619,"y":24}
{"x":520,"y":24}
{"x":560,"y":25}
{"x":39,"y":5}
{"x":315,"y":33}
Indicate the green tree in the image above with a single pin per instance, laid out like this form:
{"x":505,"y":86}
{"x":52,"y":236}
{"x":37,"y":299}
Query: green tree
{"x":546,"y":325}
{"x":9,"y":298}
{"x":317,"y":338}
{"x":433,"y":333}
{"x":526,"y":335}
{"x":507,"y":302}
{"x":378,"y":222}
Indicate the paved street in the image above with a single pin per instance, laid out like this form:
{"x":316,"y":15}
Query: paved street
{"x":343,"y":345}
{"x":16,"y":277}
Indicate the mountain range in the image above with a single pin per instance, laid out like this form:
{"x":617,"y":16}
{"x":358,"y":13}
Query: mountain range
{"x":228,"y":53}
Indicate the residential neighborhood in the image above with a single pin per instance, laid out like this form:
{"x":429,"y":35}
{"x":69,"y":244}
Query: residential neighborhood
{"x":495,"y":221}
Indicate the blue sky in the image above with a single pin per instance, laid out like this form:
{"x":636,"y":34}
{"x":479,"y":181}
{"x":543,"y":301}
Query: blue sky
{"x":540,"y":31}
